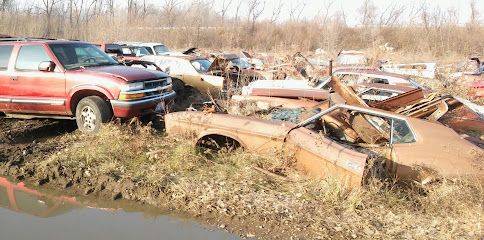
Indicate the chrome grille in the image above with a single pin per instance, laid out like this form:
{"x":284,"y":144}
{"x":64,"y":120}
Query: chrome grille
{"x":155,"y":83}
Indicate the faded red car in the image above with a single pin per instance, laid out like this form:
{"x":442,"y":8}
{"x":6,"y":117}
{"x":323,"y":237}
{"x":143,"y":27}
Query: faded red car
{"x":75,"y":80}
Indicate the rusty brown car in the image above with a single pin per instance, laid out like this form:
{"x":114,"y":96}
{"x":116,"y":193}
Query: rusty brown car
{"x":330,"y":143}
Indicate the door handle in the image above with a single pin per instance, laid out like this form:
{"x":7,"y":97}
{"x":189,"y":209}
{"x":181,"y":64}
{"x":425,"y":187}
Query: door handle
{"x":14,"y":78}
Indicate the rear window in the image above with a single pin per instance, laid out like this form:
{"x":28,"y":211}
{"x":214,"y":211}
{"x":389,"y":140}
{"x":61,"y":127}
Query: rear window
{"x":30,"y":56}
{"x":161,"y":49}
{"x":5,"y":52}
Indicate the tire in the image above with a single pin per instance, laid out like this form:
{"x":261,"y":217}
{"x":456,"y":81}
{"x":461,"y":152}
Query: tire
{"x":91,"y":113}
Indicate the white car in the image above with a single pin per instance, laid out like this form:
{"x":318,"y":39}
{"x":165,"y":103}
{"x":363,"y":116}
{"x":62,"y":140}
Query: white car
{"x":158,"y":49}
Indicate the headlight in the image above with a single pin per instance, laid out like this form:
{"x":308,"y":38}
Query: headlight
{"x":132,"y":86}
{"x":168,"y":80}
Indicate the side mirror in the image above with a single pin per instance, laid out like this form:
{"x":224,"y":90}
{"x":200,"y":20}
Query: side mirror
{"x":46,"y":66}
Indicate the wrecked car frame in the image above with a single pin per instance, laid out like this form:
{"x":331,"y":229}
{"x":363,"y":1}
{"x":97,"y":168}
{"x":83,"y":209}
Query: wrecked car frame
{"x":416,"y":149}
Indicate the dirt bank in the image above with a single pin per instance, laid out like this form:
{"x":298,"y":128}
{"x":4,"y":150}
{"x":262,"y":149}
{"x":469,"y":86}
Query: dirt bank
{"x":236,"y":191}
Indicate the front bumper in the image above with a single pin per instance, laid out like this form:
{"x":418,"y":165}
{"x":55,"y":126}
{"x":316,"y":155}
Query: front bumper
{"x":136,"y":108}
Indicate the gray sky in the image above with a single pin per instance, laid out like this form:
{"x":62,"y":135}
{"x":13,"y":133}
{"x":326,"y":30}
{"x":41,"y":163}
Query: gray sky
{"x":351,"y":7}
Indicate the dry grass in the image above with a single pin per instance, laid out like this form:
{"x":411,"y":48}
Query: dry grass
{"x":231,"y":187}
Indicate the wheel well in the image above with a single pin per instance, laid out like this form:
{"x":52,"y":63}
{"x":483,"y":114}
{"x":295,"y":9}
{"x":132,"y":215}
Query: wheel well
{"x":218,"y":142}
{"x":82,"y":94}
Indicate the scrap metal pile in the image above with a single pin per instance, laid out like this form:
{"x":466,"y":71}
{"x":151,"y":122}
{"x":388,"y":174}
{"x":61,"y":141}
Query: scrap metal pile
{"x":351,"y":121}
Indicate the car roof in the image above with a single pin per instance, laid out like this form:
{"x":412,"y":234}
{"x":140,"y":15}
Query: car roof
{"x":148,"y":44}
{"x":184,"y":57}
{"x":35,"y":40}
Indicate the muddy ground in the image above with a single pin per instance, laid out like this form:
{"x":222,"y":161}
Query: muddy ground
{"x":126,"y":161}
{"x":24,"y":144}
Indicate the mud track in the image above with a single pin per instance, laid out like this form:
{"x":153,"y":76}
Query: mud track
{"x":23,"y":139}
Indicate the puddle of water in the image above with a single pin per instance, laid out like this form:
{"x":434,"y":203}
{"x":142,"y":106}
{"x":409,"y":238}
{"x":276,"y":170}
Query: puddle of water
{"x":26,"y":213}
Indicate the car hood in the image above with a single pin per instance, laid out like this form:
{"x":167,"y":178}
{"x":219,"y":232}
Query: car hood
{"x":126,"y":73}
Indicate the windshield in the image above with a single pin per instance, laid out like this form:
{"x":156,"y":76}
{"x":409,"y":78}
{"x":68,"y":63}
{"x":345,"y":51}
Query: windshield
{"x":201,"y":65}
{"x":240,"y":63}
{"x":76,"y":55}
{"x":161,"y":49}
{"x":141,"y":51}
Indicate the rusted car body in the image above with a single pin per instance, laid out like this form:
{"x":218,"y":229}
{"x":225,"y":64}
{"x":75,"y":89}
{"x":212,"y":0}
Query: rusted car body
{"x":405,"y":100}
{"x":425,"y":70}
{"x":471,"y":74}
{"x":205,"y":76}
{"x":414,"y":149}
{"x":236,"y":69}
{"x":359,"y":76}
{"x":192,"y":71}
{"x":286,"y":88}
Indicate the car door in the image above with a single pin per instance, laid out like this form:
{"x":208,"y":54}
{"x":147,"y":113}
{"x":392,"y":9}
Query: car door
{"x":34,"y":91}
{"x":5,"y":55}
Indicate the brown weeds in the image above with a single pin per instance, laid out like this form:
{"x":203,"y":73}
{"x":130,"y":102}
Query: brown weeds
{"x":231,"y":186}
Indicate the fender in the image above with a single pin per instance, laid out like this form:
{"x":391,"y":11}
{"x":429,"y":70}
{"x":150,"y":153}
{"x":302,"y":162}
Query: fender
{"x":83,"y":87}
{"x":222,"y":132}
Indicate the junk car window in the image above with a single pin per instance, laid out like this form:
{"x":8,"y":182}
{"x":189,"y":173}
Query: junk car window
{"x":150,"y":50}
{"x":81,"y":55}
{"x":127,"y":51}
{"x":5,"y":52}
{"x":402,"y":132}
{"x":379,"y":80}
{"x":201,"y":65}
{"x":242,"y":64}
{"x":141,"y":51}
{"x":30,"y":56}
{"x":160,"y":49}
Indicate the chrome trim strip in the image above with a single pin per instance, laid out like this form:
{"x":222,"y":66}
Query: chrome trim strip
{"x":5,"y":100}
{"x":52,"y":102}
{"x":156,"y":80}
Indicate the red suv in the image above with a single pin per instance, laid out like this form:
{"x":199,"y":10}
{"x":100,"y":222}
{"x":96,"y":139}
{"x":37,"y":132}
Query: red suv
{"x":71,"y":79}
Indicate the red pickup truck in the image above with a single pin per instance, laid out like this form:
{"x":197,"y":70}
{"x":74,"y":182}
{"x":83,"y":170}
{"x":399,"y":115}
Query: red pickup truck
{"x":75,"y":80}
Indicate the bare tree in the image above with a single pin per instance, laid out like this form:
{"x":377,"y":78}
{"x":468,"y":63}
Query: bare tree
{"x":223,"y":11}
{"x":110,"y":7}
{"x":276,"y":11}
{"x":325,"y":10}
{"x":48,"y":7}
{"x":170,"y":11}
{"x":237,"y":11}
{"x":132,"y":10}
{"x":368,"y":12}
{"x":474,"y":18}
{"x":296,"y":9}
{"x":255,"y":10}
{"x":5,"y":5}
{"x":391,"y":14}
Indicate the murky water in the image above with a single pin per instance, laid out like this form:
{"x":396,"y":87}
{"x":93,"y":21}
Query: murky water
{"x":26,"y":213}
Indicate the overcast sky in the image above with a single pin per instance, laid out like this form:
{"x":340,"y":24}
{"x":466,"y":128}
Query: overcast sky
{"x":351,"y":7}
